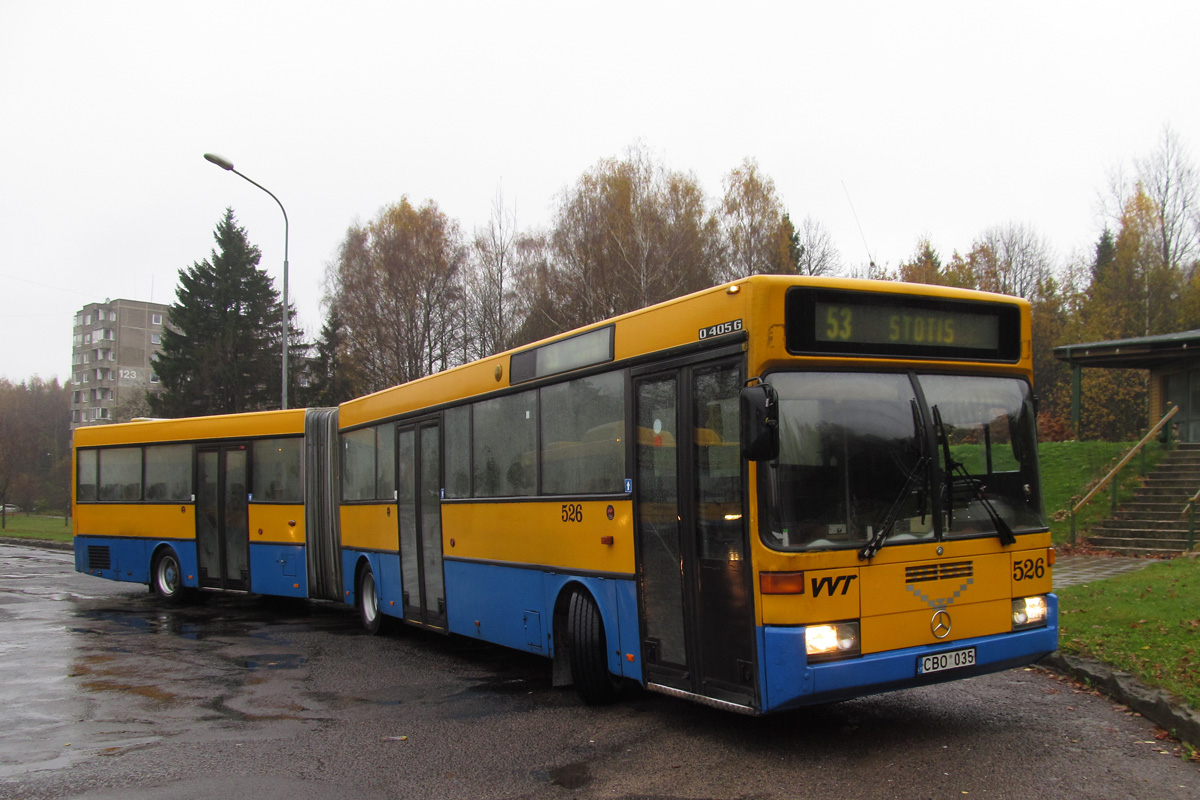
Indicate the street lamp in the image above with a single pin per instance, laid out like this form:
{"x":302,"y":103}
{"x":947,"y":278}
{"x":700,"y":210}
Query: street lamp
{"x":227,"y":165}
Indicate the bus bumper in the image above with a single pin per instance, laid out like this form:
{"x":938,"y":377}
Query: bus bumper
{"x":789,"y":682}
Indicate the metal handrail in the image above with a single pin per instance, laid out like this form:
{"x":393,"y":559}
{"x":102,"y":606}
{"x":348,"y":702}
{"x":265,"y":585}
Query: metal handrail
{"x":1128,"y":456}
{"x":1190,"y":503}
{"x":1190,"y":510}
{"x":1153,"y":432}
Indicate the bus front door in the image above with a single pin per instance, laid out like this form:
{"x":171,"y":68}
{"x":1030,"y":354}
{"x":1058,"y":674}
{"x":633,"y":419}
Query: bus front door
{"x":419,"y":495}
{"x":696,"y":595}
{"x":222,"y":522}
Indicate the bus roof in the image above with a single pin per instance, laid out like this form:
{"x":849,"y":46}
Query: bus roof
{"x":221,"y":426}
{"x":672,"y":323}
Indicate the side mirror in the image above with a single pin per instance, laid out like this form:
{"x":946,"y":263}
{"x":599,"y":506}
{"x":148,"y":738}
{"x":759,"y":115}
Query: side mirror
{"x":760,"y":422}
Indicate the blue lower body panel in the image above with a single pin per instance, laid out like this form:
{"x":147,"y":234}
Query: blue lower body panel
{"x":278,"y":569}
{"x":515,"y":606}
{"x":789,"y":682}
{"x":386,"y":568}
{"x":127,"y":559}
{"x":275,"y":569}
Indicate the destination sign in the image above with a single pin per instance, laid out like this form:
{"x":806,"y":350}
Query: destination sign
{"x":875,"y":324}
{"x":846,"y":322}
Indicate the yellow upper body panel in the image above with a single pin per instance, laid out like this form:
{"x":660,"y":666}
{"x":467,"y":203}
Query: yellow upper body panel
{"x":149,"y":520}
{"x":277,"y":523}
{"x":371,"y":526}
{"x":575,"y":535}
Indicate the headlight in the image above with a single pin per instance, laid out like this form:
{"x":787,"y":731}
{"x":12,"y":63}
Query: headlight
{"x":827,"y":642}
{"x":1029,"y":612}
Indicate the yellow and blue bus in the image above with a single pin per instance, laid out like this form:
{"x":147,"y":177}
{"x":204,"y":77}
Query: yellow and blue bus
{"x":773,"y":493}
{"x":210,"y":503}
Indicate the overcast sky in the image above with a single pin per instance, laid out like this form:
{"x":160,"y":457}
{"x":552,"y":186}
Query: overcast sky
{"x":938,"y":119}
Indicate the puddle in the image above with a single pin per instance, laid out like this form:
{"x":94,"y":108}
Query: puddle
{"x":137,"y":622}
{"x":501,"y":685}
{"x":571,"y":776}
{"x":274,"y":661}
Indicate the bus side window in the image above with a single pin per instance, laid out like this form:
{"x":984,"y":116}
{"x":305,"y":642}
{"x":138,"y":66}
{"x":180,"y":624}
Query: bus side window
{"x":86,"y":474}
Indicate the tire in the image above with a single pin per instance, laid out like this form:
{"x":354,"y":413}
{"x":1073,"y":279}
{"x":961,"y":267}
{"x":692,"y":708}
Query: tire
{"x":368,"y":602}
{"x":166,"y":578}
{"x":588,"y":652}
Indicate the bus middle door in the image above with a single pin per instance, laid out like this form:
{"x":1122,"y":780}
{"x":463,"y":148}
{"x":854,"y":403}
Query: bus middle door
{"x":419,"y":496}
{"x":222,"y":521}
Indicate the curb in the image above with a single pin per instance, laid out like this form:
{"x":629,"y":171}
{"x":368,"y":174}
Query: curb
{"x":1158,"y":706}
{"x":46,"y":544}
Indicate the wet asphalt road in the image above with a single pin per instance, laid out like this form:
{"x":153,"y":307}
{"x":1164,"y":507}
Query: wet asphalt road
{"x":105,"y":694}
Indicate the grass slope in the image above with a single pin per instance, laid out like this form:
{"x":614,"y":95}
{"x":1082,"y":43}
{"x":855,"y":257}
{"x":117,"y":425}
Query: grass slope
{"x":1146,"y":623}
{"x":33,"y":526}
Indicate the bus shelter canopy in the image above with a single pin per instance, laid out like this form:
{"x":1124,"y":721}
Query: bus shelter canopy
{"x":1142,"y":352}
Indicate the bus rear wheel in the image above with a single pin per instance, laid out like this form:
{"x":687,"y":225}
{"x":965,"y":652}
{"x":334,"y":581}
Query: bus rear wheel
{"x":588,"y":651}
{"x":166,"y":577}
{"x":368,"y":602}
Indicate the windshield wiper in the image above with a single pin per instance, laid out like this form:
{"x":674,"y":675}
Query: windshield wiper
{"x":1005,"y":533}
{"x":920,"y":468}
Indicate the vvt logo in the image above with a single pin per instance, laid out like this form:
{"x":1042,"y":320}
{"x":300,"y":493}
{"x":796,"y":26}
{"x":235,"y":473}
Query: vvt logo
{"x":830,"y":584}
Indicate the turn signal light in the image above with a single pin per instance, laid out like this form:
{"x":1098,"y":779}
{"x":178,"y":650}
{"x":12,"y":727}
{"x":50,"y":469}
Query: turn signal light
{"x":781,"y":582}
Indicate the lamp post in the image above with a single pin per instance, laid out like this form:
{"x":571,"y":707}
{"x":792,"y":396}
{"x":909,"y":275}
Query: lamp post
{"x":227,"y":165}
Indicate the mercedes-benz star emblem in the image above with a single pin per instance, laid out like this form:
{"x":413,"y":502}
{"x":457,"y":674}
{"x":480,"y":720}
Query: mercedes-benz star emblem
{"x":940,"y":624}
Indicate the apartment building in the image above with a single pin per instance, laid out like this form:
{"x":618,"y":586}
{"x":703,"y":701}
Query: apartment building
{"x":111,"y":370}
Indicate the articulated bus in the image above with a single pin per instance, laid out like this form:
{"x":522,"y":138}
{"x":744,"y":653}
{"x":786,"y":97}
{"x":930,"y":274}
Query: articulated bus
{"x":773,"y":493}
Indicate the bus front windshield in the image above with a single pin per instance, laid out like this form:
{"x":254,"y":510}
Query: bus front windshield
{"x":888,"y":458}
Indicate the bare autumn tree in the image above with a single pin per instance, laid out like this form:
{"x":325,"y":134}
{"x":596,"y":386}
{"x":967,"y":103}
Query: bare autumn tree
{"x":1168,"y":177}
{"x":816,"y":252}
{"x":628,"y":234}
{"x":1132,"y":291}
{"x":1011,"y":259}
{"x":395,"y":286}
{"x":538,"y":286}
{"x":757,"y":233}
{"x":1051,"y":377}
{"x":35,"y":444}
{"x":13,"y":435}
{"x":491,"y":307}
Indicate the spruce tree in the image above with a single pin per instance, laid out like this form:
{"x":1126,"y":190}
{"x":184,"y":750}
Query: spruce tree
{"x":221,"y":351}
{"x":330,"y":384}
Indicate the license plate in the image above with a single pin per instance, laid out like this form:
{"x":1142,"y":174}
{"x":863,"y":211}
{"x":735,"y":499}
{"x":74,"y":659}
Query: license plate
{"x":943,"y":661}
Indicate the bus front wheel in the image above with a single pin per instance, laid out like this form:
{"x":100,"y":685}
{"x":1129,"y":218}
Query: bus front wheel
{"x":368,"y":602}
{"x":589,"y":652}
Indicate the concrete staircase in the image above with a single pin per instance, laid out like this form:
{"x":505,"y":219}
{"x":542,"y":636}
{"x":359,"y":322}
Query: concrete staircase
{"x":1151,"y":523}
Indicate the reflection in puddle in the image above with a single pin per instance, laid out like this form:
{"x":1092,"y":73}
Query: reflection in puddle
{"x":107,"y":673}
